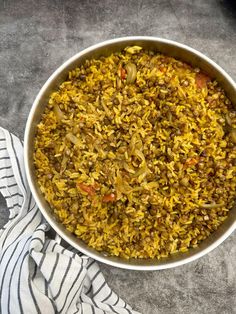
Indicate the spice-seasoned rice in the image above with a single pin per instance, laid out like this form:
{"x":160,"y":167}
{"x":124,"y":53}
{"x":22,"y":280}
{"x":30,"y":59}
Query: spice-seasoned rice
{"x":136,"y":154}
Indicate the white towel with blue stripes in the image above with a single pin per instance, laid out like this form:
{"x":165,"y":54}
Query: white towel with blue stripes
{"x":37,"y":274}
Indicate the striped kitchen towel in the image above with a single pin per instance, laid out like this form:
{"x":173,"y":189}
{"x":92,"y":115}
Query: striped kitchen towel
{"x":37,"y":274}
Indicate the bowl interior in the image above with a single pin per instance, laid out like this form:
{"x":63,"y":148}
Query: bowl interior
{"x":167,"y":47}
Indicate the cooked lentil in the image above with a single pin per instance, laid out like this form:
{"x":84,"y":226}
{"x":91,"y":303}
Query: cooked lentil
{"x":136,"y":154}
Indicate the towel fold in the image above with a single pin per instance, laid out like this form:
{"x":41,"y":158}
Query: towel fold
{"x":37,"y":274}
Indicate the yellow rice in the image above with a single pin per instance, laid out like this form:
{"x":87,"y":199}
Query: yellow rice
{"x":141,"y":168}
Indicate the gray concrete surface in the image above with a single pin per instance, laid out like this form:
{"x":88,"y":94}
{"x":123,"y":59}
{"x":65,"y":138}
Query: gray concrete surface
{"x":37,"y":36}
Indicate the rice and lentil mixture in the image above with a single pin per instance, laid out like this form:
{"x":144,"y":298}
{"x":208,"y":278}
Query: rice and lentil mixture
{"x":136,"y":154}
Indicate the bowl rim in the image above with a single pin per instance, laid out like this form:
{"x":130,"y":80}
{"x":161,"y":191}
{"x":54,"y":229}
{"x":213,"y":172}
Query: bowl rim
{"x":52,"y":223}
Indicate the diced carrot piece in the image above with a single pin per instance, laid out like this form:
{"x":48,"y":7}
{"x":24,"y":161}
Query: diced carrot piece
{"x":89,"y":189}
{"x":201,"y":80}
{"x":122,"y":73}
{"x":163,"y":69}
{"x":191,"y":162}
{"x":109,"y":198}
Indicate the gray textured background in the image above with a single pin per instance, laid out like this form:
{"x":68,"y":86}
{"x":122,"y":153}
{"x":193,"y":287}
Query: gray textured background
{"x":37,"y":36}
